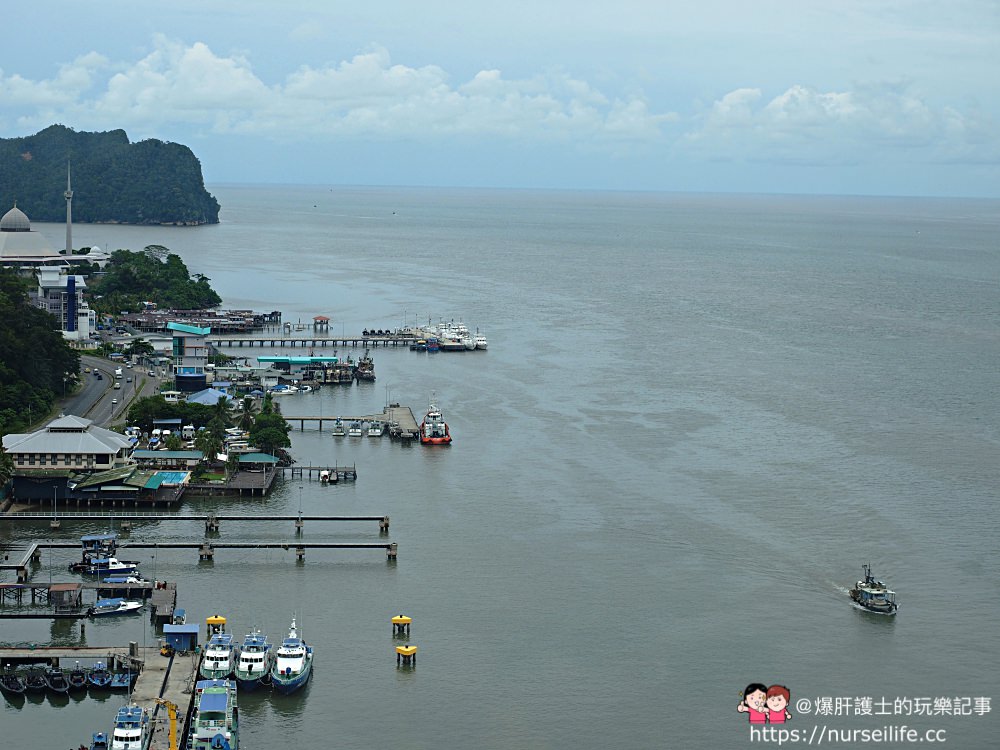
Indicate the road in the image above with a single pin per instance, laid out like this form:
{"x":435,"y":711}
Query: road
{"x":95,"y":397}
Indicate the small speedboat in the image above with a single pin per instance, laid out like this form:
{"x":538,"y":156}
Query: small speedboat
{"x":77,"y":678}
{"x":355,"y":430}
{"x":376,"y":428}
{"x":99,"y":676}
{"x":292,"y":663}
{"x":11,"y":683}
{"x":55,"y":678}
{"x":122,"y":680}
{"x":106,"y":566}
{"x":125,"y":580}
{"x":116,"y":606}
{"x":338,"y":429}
{"x":874,"y":595}
{"x":99,"y":741}
{"x":34,"y":682}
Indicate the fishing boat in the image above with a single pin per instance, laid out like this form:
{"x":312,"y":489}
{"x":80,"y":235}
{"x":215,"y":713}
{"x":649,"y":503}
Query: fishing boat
{"x":214,"y":720}
{"x":99,"y":676}
{"x":338,"y":428}
{"x":292,"y":663}
{"x":365,"y":369}
{"x":433,"y":345}
{"x":105,"y":565}
{"x":220,"y":655}
{"x":11,"y":683}
{"x":254,"y":663}
{"x":34,"y":682}
{"x":420,"y":345}
{"x":376,"y":428}
{"x":115,"y":606}
{"x":122,"y":680}
{"x":56,"y":680}
{"x":481,"y":342}
{"x":355,"y":430}
{"x":434,"y":430}
{"x":77,"y":678}
{"x":874,"y":595}
{"x":131,"y":730}
{"x":99,"y":741}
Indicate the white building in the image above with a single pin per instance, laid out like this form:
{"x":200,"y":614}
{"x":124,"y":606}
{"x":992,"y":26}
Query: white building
{"x":68,"y":443}
{"x":62,"y":295}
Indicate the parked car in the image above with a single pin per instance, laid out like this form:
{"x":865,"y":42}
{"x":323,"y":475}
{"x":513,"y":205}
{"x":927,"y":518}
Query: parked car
{"x":114,"y":401}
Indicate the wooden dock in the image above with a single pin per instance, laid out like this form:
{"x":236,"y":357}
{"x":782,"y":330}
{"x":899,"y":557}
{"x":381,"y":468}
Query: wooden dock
{"x":314,"y":341}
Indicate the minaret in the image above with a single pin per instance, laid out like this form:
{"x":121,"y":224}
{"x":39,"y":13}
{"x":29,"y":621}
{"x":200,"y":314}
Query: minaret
{"x":68,"y":195}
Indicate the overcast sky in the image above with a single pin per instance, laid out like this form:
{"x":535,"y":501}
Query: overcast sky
{"x":896,"y":97}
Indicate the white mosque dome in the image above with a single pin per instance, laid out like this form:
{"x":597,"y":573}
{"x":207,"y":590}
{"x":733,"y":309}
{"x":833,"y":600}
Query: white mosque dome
{"x":15,"y":220}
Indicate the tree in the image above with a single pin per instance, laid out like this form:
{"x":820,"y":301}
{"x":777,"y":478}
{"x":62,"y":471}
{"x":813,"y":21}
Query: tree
{"x":208,"y":444}
{"x":139,"y":348}
{"x":174,"y":442}
{"x":246,"y":413}
{"x":270,"y":432}
{"x":6,"y":467}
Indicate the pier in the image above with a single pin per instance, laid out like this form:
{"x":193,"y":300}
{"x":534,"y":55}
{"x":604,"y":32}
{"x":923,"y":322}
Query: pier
{"x":317,"y":342}
{"x":401,"y":423}
{"x":162,"y":682}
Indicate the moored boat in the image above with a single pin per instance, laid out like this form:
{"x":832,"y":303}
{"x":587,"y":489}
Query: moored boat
{"x":874,"y":595}
{"x":115,"y":606}
{"x":55,"y":678}
{"x":131,"y":730}
{"x":434,"y":430}
{"x":99,"y":741}
{"x":376,"y":428}
{"x":34,"y":682}
{"x":254,"y":663}
{"x":292,"y":663}
{"x":220,"y":655}
{"x":99,"y":676}
{"x":481,"y":342}
{"x":215,"y":718}
{"x":355,"y":430}
{"x":122,"y":680}
{"x":77,"y":678}
{"x":106,"y":566}
{"x":11,"y":683}
{"x":338,"y":428}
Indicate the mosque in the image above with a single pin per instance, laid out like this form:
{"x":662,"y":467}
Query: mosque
{"x":59,"y":290}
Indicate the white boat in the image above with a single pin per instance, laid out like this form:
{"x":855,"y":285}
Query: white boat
{"x":338,"y":429}
{"x":468,"y":341}
{"x":283,"y":390}
{"x":480,"y":339}
{"x":214,"y":723}
{"x":355,"y":430}
{"x":116,"y":606}
{"x":292,"y":663}
{"x":254,"y":663}
{"x":220,"y":657}
{"x":131,"y":730}
{"x":376,"y":428}
{"x":324,"y":476}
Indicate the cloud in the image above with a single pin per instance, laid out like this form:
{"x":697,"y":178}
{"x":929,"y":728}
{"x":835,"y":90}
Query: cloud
{"x":366,"y":96}
{"x":810,"y":126}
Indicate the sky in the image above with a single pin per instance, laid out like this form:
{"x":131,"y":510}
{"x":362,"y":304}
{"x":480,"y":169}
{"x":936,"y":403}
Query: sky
{"x":860,"y":97}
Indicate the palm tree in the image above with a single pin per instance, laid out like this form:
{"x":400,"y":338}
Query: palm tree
{"x":208,"y":444}
{"x":246,"y":413}
{"x":222,"y":409}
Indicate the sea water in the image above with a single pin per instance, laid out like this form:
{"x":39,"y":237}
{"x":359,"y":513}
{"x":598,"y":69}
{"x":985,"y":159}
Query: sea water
{"x":697,"y":417}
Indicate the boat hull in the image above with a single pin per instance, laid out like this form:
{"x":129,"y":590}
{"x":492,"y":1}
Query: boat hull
{"x":11,"y":684}
{"x":886,"y":609}
{"x":286,"y":684}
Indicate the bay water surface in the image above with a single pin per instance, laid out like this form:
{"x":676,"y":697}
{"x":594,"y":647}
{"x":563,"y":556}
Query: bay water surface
{"x":697,"y":417}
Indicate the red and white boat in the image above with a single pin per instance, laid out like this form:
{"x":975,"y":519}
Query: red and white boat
{"x":434,"y":430}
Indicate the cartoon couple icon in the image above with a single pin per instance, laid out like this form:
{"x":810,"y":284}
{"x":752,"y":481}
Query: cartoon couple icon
{"x":766,"y":705}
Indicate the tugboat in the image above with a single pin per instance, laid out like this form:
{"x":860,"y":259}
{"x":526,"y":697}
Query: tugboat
{"x":434,"y":430}
{"x":365,"y":369}
{"x":874,"y":595}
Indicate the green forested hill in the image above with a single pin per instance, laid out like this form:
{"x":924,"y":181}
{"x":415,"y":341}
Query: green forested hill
{"x":114,"y":181}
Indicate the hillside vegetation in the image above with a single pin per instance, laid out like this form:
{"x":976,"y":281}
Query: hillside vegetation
{"x":114,"y":181}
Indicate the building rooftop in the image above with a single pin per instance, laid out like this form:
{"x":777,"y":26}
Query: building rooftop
{"x":67,"y":434}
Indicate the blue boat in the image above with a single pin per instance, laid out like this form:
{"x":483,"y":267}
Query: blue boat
{"x":292,"y":663}
{"x":99,"y":676}
{"x":99,"y":741}
{"x":122,"y":680}
{"x":215,"y":719}
{"x":253,"y":667}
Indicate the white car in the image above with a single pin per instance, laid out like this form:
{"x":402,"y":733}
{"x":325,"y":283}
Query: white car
{"x":114,"y":401}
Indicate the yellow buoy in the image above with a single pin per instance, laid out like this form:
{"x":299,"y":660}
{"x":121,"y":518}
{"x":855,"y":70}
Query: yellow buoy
{"x":406,"y":654}
{"x":401,"y":624}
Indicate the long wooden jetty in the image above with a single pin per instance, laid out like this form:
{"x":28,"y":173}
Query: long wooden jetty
{"x":209,"y":519}
{"x":315,"y":341}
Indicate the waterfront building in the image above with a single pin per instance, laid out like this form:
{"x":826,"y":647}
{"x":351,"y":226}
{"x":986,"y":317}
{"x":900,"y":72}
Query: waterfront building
{"x":189,"y":355}
{"x":68,"y":443}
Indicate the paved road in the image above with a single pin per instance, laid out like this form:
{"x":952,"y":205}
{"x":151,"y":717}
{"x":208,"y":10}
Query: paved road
{"x":95,"y":398}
